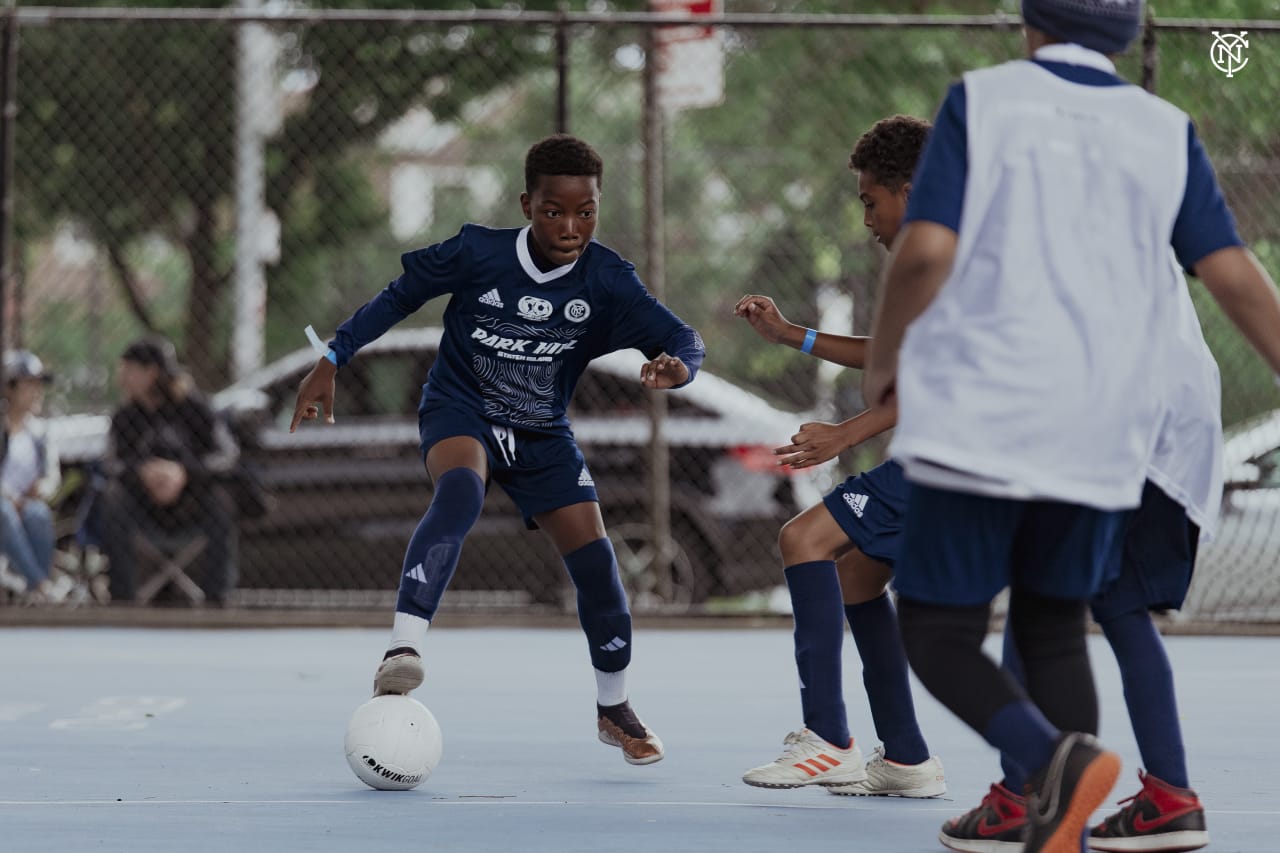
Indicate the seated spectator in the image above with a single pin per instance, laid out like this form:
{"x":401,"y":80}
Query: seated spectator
{"x":29,"y":478}
{"x":167,"y":461}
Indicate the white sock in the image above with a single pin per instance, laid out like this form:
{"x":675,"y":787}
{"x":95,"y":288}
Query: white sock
{"x":408,"y":630}
{"x":611,"y":687}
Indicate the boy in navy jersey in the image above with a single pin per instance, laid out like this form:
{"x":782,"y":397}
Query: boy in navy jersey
{"x":529,"y":308}
{"x":844,"y":548}
{"x":1018,"y":325}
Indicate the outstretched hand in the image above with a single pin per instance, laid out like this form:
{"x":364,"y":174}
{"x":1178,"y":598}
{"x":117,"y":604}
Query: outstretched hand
{"x":814,"y":444}
{"x":315,"y":394}
{"x":763,"y":315}
{"x":665,"y":371}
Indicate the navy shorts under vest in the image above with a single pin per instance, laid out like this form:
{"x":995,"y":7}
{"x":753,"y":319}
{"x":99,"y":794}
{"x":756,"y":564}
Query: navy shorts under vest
{"x":539,"y":471}
{"x":1155,"y":559}
{"x":870,"y":508}
{"x":962,"y":549}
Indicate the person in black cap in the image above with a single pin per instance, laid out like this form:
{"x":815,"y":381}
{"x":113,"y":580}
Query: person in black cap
{"x":1023,"y":330}
{"x":167,"y":459}
{"x":30,"y":477}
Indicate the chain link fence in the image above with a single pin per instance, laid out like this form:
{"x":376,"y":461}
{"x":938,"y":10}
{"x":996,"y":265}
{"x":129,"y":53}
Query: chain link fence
{"x":225,"y":181}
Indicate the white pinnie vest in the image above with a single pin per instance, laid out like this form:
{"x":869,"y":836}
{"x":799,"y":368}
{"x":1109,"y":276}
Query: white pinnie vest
{"x":1029,"y":376}
{"x":1187,"y":460}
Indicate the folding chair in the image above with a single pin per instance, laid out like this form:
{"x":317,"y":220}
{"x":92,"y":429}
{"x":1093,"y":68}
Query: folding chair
{"x":171,"y":554}
{"x":78,"y":555}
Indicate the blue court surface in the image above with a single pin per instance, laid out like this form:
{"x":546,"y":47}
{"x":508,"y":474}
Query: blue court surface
{"x":231,"y":740}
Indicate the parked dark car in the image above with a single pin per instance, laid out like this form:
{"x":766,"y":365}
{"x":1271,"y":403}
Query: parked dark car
{"x":347,"y":495}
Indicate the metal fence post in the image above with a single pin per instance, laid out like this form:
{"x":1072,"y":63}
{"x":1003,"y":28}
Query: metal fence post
{"x":562,"y":69}
{"x":655,"y":275}
{"x":1150,"y":53}
{"x":8,"y":121}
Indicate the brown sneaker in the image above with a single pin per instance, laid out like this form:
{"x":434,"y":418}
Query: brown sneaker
{"x":619,"y":726}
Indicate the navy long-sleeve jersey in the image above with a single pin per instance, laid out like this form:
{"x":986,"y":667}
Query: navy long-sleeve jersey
{"x":516,"y":339}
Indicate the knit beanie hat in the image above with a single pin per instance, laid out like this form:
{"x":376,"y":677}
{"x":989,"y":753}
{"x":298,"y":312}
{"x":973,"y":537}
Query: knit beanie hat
{"x":1107,"y":26}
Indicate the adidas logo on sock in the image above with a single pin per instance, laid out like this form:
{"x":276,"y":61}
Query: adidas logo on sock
{"x":416,"y":573}
{"x":615,"y":644}
{"x":857,"y":503}
{"x":584,"y":479}
{"x":492,"y":298}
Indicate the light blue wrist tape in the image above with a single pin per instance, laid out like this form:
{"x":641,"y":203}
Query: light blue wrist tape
{"x":810,"y":335}
{"x":332,"y":356}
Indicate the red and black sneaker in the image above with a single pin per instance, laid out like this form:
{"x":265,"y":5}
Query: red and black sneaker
{"x":996,"y":826}
{"x":1159,"y":818}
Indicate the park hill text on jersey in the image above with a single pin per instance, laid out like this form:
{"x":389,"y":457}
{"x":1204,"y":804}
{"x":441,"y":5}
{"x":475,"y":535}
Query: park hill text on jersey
{"x":519,"y":348}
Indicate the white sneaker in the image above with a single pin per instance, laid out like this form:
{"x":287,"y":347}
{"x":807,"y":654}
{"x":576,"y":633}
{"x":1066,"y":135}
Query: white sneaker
{"x":57,"y":588}
{"x":11,"y":580}
{"x":890,"y":779}
{"x":809,"y":760}
{"x":400,"y":671}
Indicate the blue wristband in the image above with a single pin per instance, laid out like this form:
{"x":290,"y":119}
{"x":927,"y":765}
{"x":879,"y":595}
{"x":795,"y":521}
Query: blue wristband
{"x":810,"y":335}
{"x":332,"y":356}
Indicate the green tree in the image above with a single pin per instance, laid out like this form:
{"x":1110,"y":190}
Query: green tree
{"x":129,"y":131}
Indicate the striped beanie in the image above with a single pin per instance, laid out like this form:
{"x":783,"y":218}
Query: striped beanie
{"x":1107,"y":26}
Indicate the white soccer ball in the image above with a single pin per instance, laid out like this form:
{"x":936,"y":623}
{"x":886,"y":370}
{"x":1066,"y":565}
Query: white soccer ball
{"x":393,"y":743}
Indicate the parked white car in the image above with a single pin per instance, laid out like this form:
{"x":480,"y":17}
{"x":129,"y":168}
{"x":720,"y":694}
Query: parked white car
{"x":1237,"y":576}
{"x":347,"y":495}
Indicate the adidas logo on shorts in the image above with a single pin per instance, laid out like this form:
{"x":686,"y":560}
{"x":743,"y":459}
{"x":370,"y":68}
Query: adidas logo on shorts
{"x":584,"y":479}
{"x":857,"y":503}
{"x":492,"y":298}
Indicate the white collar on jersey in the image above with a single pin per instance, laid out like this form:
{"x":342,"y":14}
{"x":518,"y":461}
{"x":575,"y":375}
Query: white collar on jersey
{"x":1074,"y":54}
{"x":530,"y":268}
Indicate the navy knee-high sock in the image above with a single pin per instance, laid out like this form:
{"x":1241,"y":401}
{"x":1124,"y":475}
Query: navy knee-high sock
{"x":1148,"y":693}
{"x":884,"y":674}
{"x":602,"y":604}
{"x":819,"y":635}
{"x":432,"y":555}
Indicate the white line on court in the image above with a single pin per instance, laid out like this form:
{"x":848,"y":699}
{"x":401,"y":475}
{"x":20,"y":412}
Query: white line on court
{"x":490,"y":800}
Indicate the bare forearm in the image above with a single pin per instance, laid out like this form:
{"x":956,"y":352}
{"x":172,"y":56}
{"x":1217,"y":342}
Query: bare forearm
{"x":845,"y":350}
{"x":1248,"y":297}
{"x":869,"y":423}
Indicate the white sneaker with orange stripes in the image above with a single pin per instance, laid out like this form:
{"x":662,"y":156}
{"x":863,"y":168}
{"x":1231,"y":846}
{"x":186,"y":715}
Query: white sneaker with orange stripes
{"x":809,"y":760}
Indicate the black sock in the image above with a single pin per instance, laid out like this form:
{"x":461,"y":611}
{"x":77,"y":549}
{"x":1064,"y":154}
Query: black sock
{"x":624,"y":718}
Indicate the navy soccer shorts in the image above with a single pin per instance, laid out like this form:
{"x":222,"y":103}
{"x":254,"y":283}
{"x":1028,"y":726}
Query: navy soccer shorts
{"x":870,"y":508}
{"x":539,"y":471}
{"x":1155,"y":560}
{"x":961,"y":548}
